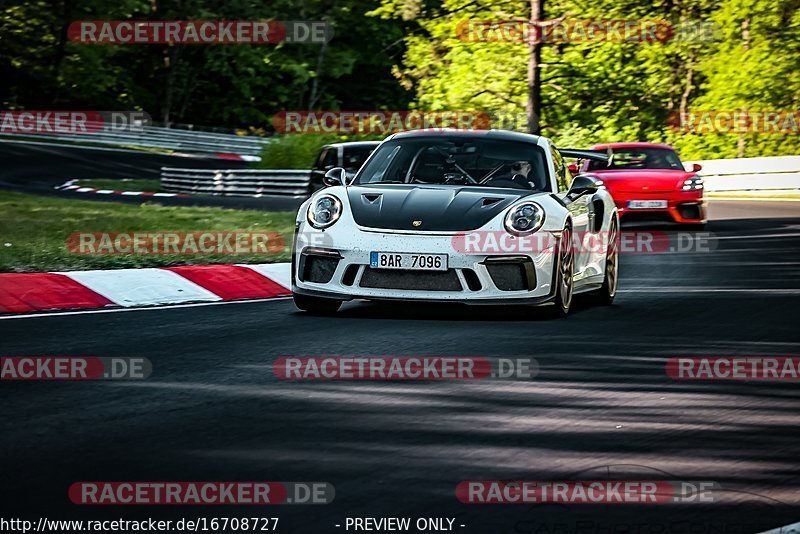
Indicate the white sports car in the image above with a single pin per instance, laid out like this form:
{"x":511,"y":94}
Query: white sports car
{"x":478,"y":217}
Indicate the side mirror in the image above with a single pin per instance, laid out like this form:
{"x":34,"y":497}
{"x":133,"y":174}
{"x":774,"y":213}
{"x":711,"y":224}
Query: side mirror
{"x":696,"y":167}
{"x":573,"y":168}
{"x":583,"y":185}
{"x":335,"y":176}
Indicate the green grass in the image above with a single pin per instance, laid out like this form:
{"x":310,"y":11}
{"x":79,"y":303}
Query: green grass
{"x":150,"y":186}
{"x":34,"y":231}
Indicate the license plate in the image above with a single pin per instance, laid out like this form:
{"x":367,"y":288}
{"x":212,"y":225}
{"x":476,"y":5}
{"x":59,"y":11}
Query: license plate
{"x":412,"y":262}
{"x":646,"y":204}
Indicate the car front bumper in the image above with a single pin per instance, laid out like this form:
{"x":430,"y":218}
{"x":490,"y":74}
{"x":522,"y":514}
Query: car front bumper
{"x":337,"y":267}
{"x":682,"y":208}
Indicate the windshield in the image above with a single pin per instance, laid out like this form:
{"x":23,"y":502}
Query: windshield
{"x":639,"y":158}
{"x":458,"y":161}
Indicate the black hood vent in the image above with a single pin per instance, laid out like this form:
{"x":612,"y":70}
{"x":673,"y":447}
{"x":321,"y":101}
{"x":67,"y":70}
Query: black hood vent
{"x":431,"y":208}
{"x":489,"y":201}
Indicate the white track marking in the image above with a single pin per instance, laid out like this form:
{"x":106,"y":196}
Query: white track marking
{"x":135,"y":309}
{"x":277,"y":272}
{"x":142,"y":287}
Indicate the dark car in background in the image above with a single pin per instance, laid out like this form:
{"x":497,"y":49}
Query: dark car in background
{"x":350,"y":156}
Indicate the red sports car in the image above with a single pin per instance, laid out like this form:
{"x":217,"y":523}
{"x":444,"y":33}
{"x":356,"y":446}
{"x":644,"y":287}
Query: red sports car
{"x":648,"y":182}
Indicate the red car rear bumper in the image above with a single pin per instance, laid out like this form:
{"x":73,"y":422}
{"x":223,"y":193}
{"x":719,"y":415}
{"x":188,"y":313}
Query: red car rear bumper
{"x":683,"y":207}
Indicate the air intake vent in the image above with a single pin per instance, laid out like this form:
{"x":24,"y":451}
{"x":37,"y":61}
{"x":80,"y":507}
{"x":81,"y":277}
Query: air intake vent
{"x":411,"y":280}
{"x":512,"y":274}
{"x":318,"y":269}
{"x":490,"y":201}
{"x":473,"y":282}
{"x":372,"y":197}
{"x":350,"y":275}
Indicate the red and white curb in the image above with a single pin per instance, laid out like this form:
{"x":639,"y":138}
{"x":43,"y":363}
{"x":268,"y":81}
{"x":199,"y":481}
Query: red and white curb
{"x":72,"y":186}
{"x":128,"y":288}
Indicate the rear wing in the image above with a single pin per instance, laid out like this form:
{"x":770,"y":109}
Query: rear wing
{"x":597,"y":155}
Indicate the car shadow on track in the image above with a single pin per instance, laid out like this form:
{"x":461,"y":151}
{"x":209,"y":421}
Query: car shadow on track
{"x":435,"y":311}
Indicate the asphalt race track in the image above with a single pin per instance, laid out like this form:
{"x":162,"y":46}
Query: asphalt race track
{"x":602,"y":406}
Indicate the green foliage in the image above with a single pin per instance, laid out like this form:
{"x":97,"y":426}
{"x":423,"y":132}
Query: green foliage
{"x":614,"y":91}
{"x":401,"y":54}
{"x":234,"y":86}
{"x":299,"y":151}
{"x":293,"y":151}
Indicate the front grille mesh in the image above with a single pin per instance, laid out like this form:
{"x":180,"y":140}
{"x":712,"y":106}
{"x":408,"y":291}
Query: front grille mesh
{"x":508,"y":276}
{"x":410,"y":280}
{"x":319,"y":269}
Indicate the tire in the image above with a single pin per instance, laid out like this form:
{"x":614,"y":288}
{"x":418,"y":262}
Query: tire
{"x":605,"y":295}
{"x":316,"y":305}
{"x":565,"y":284}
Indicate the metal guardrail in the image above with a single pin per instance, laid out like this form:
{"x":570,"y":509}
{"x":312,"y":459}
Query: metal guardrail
{"x":156,"y":137}
{"x":236,"y":182}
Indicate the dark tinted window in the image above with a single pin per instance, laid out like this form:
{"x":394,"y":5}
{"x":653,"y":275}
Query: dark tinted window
{"x":327,"y":159}
{"x":640,"y":158}
{"x":458,"y":161}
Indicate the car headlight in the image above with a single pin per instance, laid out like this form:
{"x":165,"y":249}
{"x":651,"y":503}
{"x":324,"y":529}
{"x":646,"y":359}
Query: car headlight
{"x":524,"y":218}
{"x":695,"y":183}
{"x":324,"y":211}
